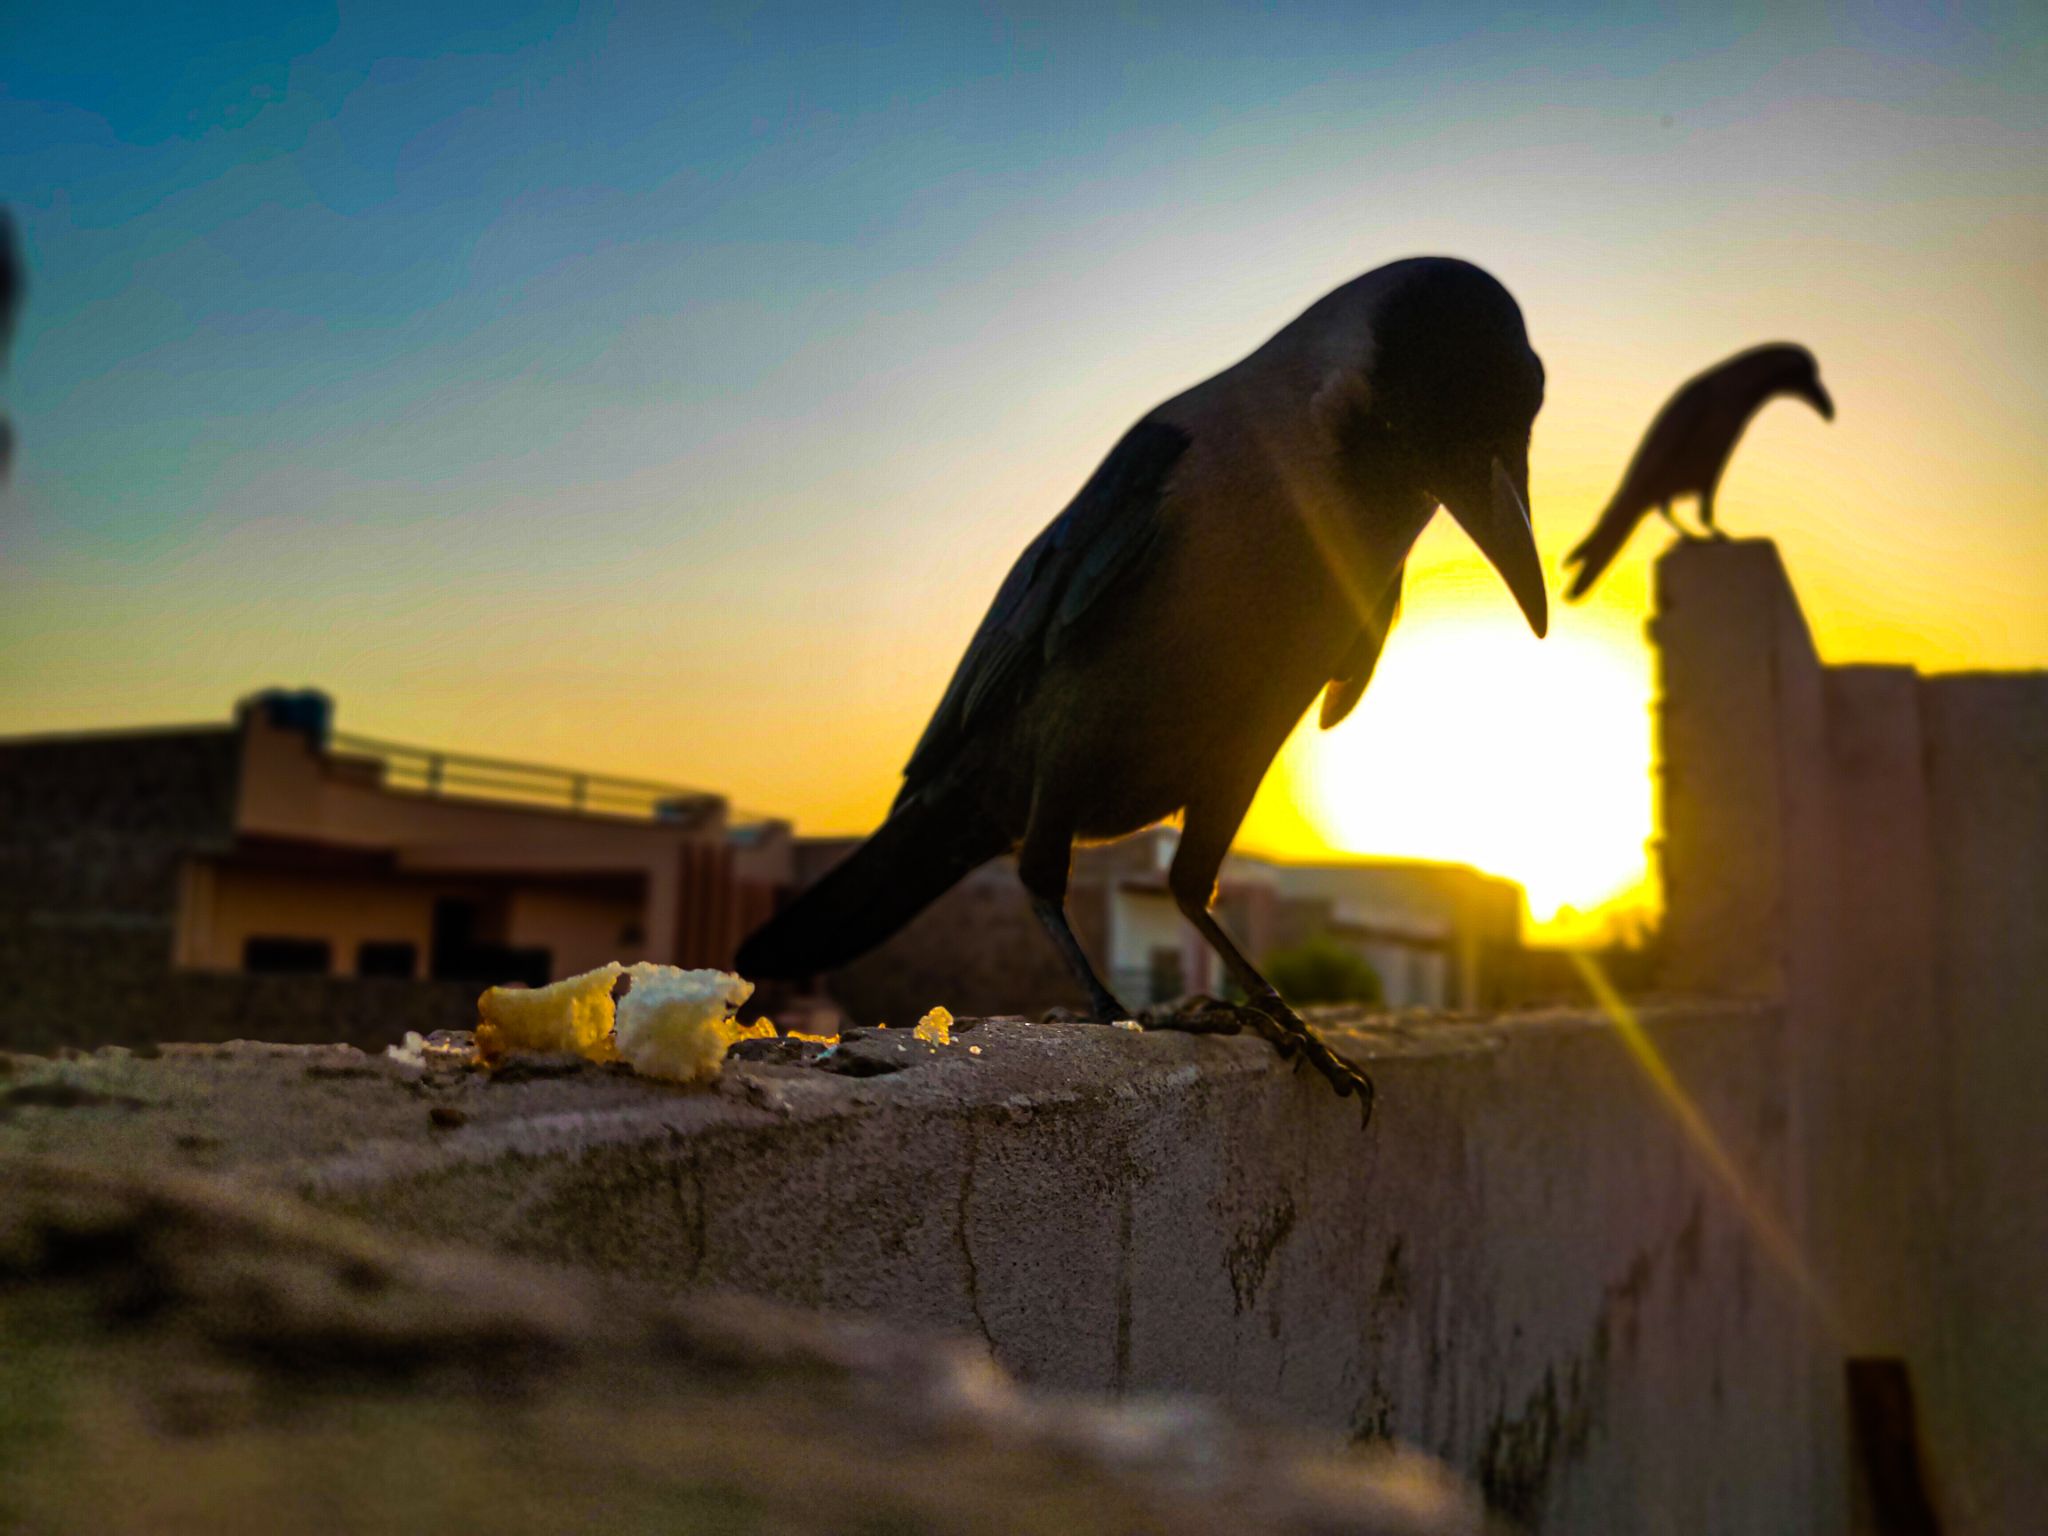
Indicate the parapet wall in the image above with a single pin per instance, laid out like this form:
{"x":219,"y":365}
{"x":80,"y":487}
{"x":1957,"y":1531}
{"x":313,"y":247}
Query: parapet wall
{"x":1522,"y":1265}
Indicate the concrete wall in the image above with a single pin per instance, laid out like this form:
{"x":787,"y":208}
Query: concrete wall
{"x":77,"y":991}
{"x":1871,"y":846}
{"x":93,"y":835}
{"x":1987,"y":778}
{"x":1522,"y":1264}
{"x":582,"y":928}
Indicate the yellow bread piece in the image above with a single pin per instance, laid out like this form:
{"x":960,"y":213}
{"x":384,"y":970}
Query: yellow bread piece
{"x":573,"y":1014}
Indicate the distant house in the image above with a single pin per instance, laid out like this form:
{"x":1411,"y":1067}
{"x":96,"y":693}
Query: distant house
{"x":157,"y":880}
{"x":1438,"y":935}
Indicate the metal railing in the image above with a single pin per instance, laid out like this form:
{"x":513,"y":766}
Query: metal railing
{"x":425,"y":771}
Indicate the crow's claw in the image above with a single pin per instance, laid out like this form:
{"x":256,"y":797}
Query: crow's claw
{"x":1196,"y":1015}
{"x":1298,"y":1043}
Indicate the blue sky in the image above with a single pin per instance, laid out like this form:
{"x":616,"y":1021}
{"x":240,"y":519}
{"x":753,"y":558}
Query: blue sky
{"x":398,"y":241}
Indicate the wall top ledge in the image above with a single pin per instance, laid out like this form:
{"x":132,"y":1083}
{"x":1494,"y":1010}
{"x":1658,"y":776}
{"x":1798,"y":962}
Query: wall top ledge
{"x":333,"y":1118}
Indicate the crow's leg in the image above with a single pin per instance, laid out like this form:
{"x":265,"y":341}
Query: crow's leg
{"x":1102,"y":1004}
{"x":1204,"y":841}
{"x":1043,"y":863}
{"x":1664,"y":511}
{"x":1707,"y":514}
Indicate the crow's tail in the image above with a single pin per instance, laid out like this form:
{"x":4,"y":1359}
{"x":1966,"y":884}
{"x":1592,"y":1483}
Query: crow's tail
{"x":1596,"y":551}
{"x":916,"y":856}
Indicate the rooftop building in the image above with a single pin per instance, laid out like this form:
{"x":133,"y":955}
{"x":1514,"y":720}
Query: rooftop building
{"x":203,"y":857}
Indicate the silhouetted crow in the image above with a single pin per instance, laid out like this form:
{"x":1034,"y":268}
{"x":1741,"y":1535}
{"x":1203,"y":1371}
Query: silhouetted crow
{"x":13,"y":284}
{"x":1240,"y":549}
{"x":1686,"y":450}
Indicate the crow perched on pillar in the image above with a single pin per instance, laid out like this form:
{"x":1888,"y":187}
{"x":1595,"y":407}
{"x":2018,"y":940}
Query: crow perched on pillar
{"x":1238,"y":551}
{"x":1687,"y":448}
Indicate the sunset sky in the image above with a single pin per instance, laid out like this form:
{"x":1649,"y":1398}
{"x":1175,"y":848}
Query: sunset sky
{"x":665,"y":389}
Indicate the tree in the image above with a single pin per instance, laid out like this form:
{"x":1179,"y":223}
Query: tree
{"x":1323,"y":971}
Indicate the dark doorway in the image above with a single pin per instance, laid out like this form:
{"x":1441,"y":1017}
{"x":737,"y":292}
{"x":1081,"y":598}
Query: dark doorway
{"x":452,"y":950}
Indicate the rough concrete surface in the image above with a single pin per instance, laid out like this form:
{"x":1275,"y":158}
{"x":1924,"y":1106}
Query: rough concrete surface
{"x":1522,"y":1265}
{"x":186,"y":1357}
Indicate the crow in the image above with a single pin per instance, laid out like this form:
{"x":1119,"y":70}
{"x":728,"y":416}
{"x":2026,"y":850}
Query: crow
{"x":1238,"y":551}
{"x":1687,"y":448}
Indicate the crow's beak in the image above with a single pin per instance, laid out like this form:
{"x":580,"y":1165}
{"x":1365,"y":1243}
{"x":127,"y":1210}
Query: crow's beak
{"x":1819,"y":399}
{"x":1496,"y":516}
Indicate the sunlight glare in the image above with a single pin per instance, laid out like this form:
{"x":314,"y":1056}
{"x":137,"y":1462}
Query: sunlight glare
{"x":1479,"y":744}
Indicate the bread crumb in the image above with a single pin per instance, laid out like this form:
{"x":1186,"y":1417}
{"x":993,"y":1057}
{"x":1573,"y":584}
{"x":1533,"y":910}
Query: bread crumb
{"x":411,"y":1052}
{"x":935,"y":1028}
{"x":678,"y":1024}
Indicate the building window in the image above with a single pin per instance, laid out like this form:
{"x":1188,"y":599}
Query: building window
{"x":270,"y":956}
{"x":387,"y":957}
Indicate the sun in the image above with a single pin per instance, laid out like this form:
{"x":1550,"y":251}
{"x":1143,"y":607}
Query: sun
{"x":1479,"y":744}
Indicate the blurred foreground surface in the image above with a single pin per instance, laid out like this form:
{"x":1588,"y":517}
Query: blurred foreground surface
{"x":186,"y":1358}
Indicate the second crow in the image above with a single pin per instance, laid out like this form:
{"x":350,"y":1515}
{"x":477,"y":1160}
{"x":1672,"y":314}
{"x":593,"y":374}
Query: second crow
{"x":1687,"y":448}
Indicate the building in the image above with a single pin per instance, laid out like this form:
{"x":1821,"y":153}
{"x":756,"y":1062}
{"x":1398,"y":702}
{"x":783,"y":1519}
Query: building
{"x":177,"y":870}
{"x":1438,"y":935}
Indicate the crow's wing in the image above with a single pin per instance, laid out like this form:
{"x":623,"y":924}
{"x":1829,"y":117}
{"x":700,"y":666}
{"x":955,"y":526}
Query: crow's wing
{"x":1355,"y":671}
{"x":1104,"y":537}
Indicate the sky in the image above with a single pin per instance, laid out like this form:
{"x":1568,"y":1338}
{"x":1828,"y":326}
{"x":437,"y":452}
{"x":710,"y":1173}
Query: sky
{"x":665,"y":389}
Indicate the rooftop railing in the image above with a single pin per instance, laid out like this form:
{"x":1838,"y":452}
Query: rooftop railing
{"x":424,"y":771}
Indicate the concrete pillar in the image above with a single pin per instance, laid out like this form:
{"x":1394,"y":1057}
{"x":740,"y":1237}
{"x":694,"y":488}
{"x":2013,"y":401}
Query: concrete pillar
{"x":1748,"y":857}
{"x":1740,"y":749}
{"x":664,"y":907}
